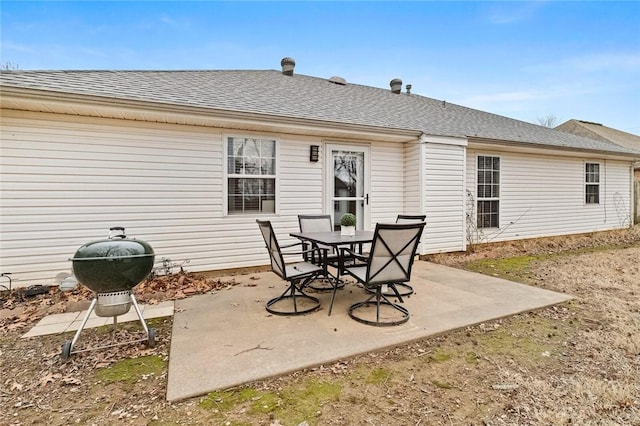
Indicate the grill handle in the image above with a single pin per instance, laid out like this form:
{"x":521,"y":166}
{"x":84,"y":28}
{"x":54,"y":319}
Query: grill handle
{"x":113,"y":235}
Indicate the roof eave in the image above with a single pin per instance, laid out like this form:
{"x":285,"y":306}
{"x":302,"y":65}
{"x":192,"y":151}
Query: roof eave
{"x":39,"y":100}
{"x":476,"y":142}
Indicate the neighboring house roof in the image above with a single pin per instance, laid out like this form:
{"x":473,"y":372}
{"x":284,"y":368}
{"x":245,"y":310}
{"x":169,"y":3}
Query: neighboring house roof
{"x":599,"y":132}
{"x":272,"y":93}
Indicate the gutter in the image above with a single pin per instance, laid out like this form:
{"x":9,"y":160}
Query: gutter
{"x":626,"y":154}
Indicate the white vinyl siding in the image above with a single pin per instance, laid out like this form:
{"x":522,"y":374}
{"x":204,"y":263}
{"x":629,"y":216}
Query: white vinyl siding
{"x":444,"y":197}
{"x":301,"y":182}
{"x":66,"y":183}
{"x":413,"y":202}
{"x":543,"y":195}
{"x":300,"y":189}
{"x":386,"y":198}
{"x":65,"y":180}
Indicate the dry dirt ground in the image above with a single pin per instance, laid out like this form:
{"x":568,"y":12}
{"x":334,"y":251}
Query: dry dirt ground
{"x":576,"y":363}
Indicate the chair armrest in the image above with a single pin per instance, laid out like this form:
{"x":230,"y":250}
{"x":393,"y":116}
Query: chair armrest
{"x":299,"y":243}
{"x":349,"y":253}
{"x":303,"y":252}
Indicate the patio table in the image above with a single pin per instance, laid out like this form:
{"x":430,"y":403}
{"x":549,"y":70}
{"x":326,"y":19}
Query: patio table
{"x":335,"y":239}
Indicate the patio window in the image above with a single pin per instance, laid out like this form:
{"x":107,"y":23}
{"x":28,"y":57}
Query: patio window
{"x":592,"y":183}
{"x":251,"y":175}
{"x":488,"y":192}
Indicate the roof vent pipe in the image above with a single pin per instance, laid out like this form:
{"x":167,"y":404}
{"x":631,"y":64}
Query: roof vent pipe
{"x":288,"y":64}
{"x":408,"y":89}
{"x":396,"y":85}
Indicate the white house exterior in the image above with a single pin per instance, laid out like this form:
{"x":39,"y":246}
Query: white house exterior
{"x":153,"y":151}
{"x":598,"y":131}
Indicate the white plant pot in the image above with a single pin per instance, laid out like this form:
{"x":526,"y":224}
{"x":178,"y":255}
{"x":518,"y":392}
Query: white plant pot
{"x":347,"y":230}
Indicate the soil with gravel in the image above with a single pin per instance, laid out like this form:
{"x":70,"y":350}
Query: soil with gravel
{"x":574,"y":363}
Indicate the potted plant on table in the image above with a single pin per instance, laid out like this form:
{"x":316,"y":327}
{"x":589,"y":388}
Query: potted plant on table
{"x":348,"y":224}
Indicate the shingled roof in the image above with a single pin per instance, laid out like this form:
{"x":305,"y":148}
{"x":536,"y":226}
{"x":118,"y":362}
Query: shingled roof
{"x":272,"y":93}
{"x":598,"y":131}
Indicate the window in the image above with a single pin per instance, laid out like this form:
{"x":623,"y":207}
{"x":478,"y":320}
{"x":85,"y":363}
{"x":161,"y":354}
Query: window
{"x":251,"y":175}
{"x":488,"y":191}
{"x":592,"y":183}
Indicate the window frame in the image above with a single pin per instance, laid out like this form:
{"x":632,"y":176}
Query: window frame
{"x":227,"y":175}
{"x":592,"y":183}
{"x":494,"y":191}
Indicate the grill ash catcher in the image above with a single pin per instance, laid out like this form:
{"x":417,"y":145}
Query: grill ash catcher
{"x":111,"y":268}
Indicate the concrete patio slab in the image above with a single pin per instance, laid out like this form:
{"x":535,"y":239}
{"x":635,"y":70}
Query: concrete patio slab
{"x":227,"y":338}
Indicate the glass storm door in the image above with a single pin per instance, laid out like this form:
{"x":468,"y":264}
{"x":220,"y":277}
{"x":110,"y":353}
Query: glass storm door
{"x":348,"y":183}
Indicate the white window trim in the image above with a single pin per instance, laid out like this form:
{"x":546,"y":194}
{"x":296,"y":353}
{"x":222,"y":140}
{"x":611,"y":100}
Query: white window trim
{"x":585,"y":183}
{"x":225,"y":175}
{"x":478,"y":198}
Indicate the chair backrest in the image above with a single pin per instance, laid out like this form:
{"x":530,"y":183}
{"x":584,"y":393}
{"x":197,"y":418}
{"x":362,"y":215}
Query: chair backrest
{"x":315,"y":222}
{"x":410,"y":218}
{"x":271,"y":242}
{"x":393,"y":248}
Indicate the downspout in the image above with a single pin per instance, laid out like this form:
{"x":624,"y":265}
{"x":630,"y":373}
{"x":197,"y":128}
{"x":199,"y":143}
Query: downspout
{"x":464,"y":218}
{"x":422,"y":141}
{"x":606,"y":194}
{"x":634,"y":196}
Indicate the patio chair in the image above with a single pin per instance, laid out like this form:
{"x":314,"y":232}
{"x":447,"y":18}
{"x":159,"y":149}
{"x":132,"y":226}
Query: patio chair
{"x":315,"y":223}
{"x":405,"y":289}
{"x":329,"y":256}
{"x":293,"y":301}
{"x":389,"y":262}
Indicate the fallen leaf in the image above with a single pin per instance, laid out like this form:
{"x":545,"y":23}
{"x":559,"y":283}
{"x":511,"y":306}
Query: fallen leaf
{"x":49,"y":378}
{"x":71,"y":381}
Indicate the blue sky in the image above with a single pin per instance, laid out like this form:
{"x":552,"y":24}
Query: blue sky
{"x":525,"y":60}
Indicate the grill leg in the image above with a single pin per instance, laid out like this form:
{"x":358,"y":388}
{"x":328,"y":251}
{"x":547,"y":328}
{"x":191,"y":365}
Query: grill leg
{"x":137,"y":308}
{"x":84,"y":322}
{"x":67,"y":347}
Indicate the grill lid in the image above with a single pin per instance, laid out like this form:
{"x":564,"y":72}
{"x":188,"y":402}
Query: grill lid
{"x":115,"y":264}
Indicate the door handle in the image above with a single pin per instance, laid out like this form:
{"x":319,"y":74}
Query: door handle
{"x":366,"y":197}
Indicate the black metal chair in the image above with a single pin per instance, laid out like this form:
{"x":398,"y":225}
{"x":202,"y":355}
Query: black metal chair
{"x":405,"y":289}
{"x":293,"y":301}
{"x":329,"y":256}
{"x":389,"y":262}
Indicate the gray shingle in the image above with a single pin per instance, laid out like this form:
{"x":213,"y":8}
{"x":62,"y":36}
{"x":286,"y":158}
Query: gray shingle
{"x":299,"y":96}
{"x":598,"y":131}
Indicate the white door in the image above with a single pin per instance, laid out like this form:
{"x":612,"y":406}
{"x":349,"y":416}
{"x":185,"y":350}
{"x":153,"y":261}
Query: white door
{"x":348,"y":183}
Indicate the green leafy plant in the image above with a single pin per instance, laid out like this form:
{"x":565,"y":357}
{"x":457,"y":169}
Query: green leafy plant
{"x":348,"y":219}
